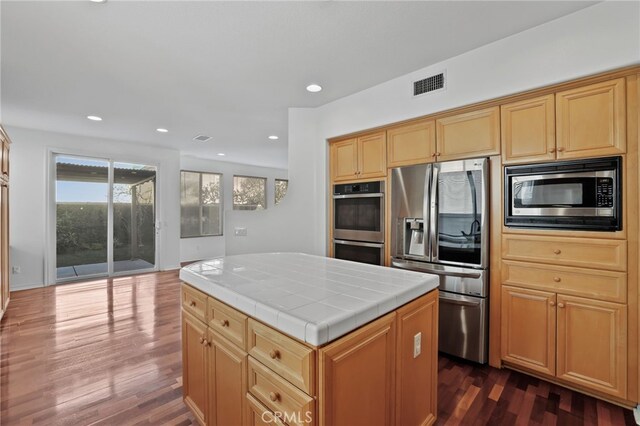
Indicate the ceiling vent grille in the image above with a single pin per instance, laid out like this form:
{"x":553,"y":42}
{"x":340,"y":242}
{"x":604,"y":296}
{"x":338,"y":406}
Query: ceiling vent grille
{"x":429,"y":84}
{"x":202,"y":138}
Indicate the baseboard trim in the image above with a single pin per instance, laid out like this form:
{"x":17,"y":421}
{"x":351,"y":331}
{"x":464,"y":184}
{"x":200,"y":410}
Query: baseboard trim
{"x":21,"y":287}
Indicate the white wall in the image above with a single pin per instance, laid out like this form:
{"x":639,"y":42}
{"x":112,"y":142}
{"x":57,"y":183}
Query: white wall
{"x":28,"y":198}
{"x":207,"y":247}
{"x":602,"y":37}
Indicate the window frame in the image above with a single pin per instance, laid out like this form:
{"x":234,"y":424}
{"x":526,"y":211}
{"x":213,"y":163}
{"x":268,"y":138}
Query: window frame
{"x":275,"y":185}
{"x":233,"y":201}
{"x":200,"y":173}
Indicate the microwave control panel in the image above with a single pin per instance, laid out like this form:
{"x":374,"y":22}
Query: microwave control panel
{"x":604,"y":192}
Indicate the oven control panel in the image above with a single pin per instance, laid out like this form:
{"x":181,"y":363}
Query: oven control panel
{"x":604,"y":192}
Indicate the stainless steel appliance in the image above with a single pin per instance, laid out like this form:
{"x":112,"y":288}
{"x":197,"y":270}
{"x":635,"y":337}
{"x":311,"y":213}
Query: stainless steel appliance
{"x":440,"y":217}
{"x":581,"y":194}
{"x":358,"y":222}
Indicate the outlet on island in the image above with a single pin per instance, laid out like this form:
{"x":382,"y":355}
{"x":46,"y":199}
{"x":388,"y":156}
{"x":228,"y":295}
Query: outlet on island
{"x":240,"y":232}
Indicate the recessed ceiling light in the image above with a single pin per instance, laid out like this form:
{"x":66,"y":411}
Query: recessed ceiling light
{"x":161,"y":130}
{"x":221,"y":154}
{"x":94,"y":118}
{"x":98,"y":1}
{"x":273,"y":137}
{"x":313,"y":88}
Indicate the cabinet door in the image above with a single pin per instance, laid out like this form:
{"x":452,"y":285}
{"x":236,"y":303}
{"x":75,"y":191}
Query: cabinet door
{"x":4,"y":246}
{"x":417,"y":367}
{"x":591,"y":120}
{"x":194,"y":365}
{"x":528,"y":130}
{"x":357,"y":376}
{"x":344,"y":160}
{"x":372,"y":155}
{"x":468,"y":135}
{"x":227,"y":381}
{"x":259,"y":415}
{"x":411,"y":144}
{"x":592,"y":344}
{"x":529,"y":329}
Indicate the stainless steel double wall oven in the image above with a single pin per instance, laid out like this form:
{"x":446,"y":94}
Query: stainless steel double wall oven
{"x":358,"y":222}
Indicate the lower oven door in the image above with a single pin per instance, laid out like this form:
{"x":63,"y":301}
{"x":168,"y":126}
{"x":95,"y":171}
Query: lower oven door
{"x":463,"y":328}
{"x":359,"y":251}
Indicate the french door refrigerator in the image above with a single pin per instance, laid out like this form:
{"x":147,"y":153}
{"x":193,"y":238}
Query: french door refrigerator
{"x":439,"y":216}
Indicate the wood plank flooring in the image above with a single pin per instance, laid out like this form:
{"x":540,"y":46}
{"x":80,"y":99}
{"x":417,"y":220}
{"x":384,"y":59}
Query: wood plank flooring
{"x":107,"y":352}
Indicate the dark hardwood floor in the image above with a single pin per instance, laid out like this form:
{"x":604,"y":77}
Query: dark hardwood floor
{"x":108,"y":352}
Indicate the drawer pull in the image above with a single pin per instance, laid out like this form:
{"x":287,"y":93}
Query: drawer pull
{"x":274,"y":396}
{"x":205,"y":342}
{"x":560,"y":305}
{"x":201,"y":340}
{"x":552,"y":303}
{"x":552,"y":150}
{"x":557,"y":251}
{"x":224,"y":323}
{"x":193,"y":303}
{"x":557,"y":279}
{"x":274,"y":354}
{"x":561,"y":149}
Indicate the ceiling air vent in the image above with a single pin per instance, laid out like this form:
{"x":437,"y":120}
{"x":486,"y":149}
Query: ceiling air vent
{"x":202,"y":138}
{"x":429,"y":84}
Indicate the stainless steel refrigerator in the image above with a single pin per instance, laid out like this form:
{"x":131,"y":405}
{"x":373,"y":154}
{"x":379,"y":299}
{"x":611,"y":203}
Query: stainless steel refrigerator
{"x":439,"y":216}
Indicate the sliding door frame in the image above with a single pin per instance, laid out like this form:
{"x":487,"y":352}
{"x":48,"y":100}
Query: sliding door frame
{"x":50,"y":258}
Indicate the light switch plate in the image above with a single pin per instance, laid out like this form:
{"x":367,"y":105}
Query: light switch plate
{"x":240,"y":232}
{"x":417,"y":345}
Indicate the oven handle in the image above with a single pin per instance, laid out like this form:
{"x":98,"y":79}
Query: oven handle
{"x":358,"y":243}
{"x":373,"y":195}
{"x":403,"y":264}
{"x":454,"y":301}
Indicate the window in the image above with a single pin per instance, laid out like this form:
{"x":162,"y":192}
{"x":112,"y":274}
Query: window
{"x":281,"y":189}
{"x":200,"y":204}
{"x":249,"y":193}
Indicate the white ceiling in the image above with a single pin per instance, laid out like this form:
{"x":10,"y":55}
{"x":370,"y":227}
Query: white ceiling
{"x":225,"y":69}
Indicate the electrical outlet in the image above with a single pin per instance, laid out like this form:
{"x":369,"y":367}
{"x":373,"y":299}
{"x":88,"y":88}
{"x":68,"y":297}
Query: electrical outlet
{"x":240,"y":232}
{"x":417,"y":345}
{"x":16,"y":270}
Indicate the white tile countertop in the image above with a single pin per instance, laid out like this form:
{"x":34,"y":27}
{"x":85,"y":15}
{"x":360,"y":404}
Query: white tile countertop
{"x":313,"y":298}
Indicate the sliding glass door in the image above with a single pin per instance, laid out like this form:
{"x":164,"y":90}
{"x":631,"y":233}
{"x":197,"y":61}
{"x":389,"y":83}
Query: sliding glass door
{"x":104,"y":217}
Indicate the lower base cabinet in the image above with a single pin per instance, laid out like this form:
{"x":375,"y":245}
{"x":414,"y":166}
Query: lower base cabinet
{"x":384,"y":373}
{"x":577,"y":340}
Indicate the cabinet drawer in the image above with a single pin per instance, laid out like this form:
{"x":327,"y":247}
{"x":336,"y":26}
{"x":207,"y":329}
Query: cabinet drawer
{"x":596,"y":284}
{"x":279,"y":395}
{"x":228,"y":322}
{"x":194,"y":302}
{"x":259,"y":415}
{"x":582,"y":252}
{"x":287,"y":357}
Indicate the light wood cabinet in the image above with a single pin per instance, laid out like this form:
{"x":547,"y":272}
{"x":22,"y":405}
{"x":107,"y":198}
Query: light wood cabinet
{"x":578,"y":340}
{"x":413,"y":371}
{"x":5,"y":265}
{"x":227,"y":374}
{"x":529,"y":329}
{"x":356,"y":370}
{"x":591,"y":120}
{"x":412,"y":143}
{"x":592,"y":344}
{"x":194,"y":365}
{"x":528,"y":130}
{"x":363,"y":157}
{"x":468,"y":135}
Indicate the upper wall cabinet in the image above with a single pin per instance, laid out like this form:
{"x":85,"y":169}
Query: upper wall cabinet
{"x":412,"y":143}
{"x":528,"y":130}
{"x":591,"y":120}
{"x":471,"y":134}
{"x":363,"y":157}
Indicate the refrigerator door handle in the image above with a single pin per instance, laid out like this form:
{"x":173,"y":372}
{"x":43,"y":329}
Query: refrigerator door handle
{"x":433,"y":214}
{"x":425,"y":211}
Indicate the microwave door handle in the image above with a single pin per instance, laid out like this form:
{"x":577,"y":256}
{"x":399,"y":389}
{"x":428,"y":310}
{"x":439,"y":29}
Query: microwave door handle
{"x":433,"y":213}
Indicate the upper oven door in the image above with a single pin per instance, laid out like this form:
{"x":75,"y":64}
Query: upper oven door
{"x":564,"y":194}
{"x":359,"y":217}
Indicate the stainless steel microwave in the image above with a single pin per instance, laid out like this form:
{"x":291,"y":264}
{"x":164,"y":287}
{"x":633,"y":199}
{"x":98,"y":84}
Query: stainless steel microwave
{"x":579,"y":194}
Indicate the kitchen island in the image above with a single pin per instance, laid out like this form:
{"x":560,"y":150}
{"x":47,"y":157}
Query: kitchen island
{"x":299,"y":339}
